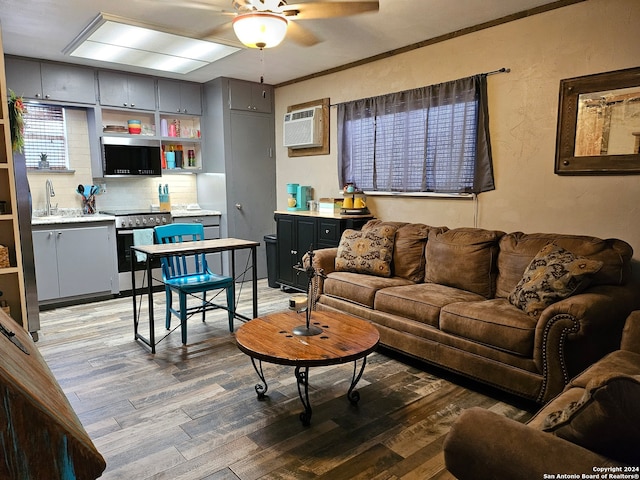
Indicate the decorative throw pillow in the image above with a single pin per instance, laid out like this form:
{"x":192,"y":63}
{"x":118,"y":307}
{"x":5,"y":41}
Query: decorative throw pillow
{"x":606,"y":420}
{"x":369,"y":251}
{"x":553,"y":274}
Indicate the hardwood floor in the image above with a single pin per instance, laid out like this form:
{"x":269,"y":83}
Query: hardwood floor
{"x":191,"y":412}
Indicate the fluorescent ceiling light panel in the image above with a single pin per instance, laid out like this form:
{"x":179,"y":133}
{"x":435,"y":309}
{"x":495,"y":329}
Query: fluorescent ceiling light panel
{"x":117,"y":40}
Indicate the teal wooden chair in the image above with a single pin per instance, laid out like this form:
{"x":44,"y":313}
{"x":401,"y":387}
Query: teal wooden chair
{"x":187,"y":275}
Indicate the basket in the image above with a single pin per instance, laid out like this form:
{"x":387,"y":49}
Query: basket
{"x":4,"y":257}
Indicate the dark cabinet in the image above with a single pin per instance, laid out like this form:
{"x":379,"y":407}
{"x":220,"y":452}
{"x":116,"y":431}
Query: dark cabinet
{"x":296,"y":234}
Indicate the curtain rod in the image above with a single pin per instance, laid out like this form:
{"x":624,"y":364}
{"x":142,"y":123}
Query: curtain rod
{"x":493,"y":72}
{"x":501,"y":70}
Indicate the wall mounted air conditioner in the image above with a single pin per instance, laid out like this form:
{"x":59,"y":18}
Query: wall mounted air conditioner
{"x":303,"y":128}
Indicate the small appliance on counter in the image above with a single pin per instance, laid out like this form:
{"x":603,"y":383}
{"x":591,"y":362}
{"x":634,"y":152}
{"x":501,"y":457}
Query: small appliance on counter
{"x":299,"y":195}
{"x":354,"y":202}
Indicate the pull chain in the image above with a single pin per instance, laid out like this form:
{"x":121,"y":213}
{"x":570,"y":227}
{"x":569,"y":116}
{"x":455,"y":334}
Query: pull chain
{"x":261,"y":66}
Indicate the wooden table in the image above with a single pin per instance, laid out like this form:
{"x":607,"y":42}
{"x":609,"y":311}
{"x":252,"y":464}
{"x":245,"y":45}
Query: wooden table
{"x":343,"y":339}
{"x":187,"y":248}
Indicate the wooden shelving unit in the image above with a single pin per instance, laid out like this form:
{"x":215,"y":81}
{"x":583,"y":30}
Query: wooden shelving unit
{"x":11,"y":277}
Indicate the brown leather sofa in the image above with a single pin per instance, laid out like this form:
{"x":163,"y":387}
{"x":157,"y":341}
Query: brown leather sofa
{"x":446,"y":302}
{"x":590,"y":430}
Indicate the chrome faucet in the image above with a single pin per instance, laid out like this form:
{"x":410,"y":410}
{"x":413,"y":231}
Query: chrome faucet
{"x":50,"y":193}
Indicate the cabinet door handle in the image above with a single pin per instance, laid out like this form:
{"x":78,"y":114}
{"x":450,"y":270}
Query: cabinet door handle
{"x":46,"y":96}
{"x":133,"y":105}
{"x":238,"y":206}
{"x":294,"y":252}
{"x":124,"y":104}
{"x":326,"y":231}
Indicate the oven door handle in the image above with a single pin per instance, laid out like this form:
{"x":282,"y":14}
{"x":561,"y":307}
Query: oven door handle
{"x":124,"y":232}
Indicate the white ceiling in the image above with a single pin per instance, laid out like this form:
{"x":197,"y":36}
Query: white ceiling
{"x":43,"y":28}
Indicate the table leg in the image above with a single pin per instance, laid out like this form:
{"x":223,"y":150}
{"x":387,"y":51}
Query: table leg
{"x":261,"y":390}
{"x":152,"y":333}
{"x":354,"y":396}
{"x":302,"y":376}
{"x":133,"y":295}
{"x":254,"y":268}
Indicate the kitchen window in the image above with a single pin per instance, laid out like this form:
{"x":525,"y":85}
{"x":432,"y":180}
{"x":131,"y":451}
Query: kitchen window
{"x":429,"y":139}
{"x":45,"y":143}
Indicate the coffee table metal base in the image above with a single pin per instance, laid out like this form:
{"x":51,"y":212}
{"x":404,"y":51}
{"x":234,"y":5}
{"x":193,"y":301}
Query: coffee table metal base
{"x":302,"y":378}
{"x":344,"y":339}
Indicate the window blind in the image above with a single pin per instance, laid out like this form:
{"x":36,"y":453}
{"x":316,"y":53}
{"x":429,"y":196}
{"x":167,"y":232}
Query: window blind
{"x":44,"y":133}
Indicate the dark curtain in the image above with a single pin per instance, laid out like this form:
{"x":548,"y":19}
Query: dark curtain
{"x":429,"y":139}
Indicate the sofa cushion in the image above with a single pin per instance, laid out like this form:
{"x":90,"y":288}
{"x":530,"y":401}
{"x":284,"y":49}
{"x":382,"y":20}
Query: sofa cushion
{"x":494,"y":322}
{"x":408,"y":250}
{"x":357,"y":287}
{"x":553,"y":274}
{"x":369,"y":251}
{"x":463,"y":258}
{"x":421,"y":302}
{"x":518,"y":249}
{"x":606,"y":420}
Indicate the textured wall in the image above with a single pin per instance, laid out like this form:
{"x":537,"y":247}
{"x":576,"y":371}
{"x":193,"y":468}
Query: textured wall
{"x":590,"y":37}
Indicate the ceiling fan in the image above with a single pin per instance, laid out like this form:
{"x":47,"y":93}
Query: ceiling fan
{"x":265,"y":23}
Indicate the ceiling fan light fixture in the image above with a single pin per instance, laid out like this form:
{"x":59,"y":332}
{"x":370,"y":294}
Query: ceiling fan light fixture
{"x":260,"y":29}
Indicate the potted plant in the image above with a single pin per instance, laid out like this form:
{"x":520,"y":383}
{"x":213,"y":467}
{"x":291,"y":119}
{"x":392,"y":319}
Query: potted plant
{"x":44,"y":163}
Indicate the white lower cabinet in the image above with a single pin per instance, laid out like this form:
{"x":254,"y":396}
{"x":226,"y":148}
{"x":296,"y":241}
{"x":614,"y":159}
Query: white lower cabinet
{"x":73,"y":261}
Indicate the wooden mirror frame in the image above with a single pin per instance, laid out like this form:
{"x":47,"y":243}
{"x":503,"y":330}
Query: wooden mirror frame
{"x":570,"y":89}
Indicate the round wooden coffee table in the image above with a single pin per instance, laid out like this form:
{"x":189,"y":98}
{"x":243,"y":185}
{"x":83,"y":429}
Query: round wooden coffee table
{"x":343,"y":339}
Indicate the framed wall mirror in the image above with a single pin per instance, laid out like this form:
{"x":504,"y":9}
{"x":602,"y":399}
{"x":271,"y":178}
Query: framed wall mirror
{"x":599,"y":124}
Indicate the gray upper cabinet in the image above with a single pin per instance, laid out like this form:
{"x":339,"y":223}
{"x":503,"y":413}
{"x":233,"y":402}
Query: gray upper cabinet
{"x":51,"y":81}
{"x":179,"y":97}
{"x":126,"y":90}
{"x":250,"y":97}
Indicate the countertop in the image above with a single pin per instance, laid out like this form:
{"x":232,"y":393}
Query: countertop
{"x":72,"y":218}
{"x":308,"y":213}
{"x":75,"y":216}
{"x":194,"y":213}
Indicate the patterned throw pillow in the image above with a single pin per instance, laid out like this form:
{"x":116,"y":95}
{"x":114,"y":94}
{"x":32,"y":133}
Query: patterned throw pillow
{"x":553,"y":274}
{"x":369,"y":251}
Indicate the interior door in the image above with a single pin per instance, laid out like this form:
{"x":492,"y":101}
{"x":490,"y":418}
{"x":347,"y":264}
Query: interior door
{"x":251,"y":183}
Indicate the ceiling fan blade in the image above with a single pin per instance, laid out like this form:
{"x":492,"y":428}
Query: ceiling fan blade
{"x":301,"y":35}
{"x":313,"y":10}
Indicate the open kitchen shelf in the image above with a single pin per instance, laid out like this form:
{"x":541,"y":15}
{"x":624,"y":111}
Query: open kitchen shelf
{"x":182,"y":133}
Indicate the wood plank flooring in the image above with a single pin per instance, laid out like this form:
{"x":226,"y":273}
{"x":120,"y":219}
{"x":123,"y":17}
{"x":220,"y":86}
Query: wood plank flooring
{"x":191,"y":412}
